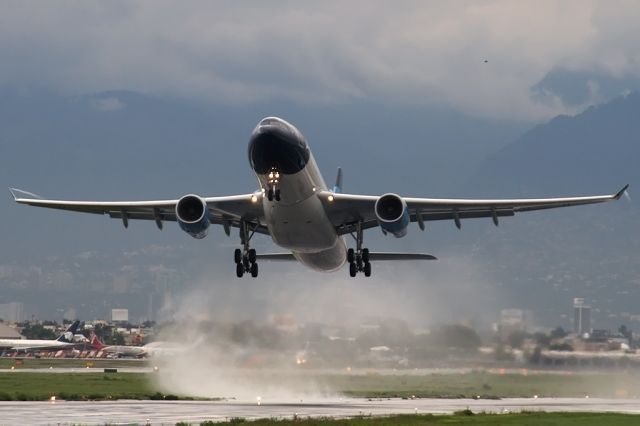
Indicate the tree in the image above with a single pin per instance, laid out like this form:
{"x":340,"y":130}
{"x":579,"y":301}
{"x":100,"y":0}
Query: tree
{"x":117,"y":339}
{"x":542,"y":339}
{"x":516,"y":339}
{"x":456,"y":336}
{"x":37,"y":331}
{"x":558,"y":333}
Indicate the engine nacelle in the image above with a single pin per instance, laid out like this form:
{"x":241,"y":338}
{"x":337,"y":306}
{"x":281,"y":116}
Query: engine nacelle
{"x":393,"y":216}
{"x":193,"y":215}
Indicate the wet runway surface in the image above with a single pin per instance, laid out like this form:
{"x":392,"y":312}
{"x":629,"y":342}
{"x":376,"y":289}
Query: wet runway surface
{"x":170,"y":412}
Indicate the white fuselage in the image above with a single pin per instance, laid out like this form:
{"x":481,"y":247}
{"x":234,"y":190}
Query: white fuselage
{"x":25,"y":344}
{"x":298,"y":221}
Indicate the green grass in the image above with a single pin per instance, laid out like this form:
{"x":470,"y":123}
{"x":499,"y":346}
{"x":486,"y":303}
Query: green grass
{"x":79,"y":386}
{"x":525,"y":419}
{"x":7,"y":363}
{"x":489,"y":385}
{"x":75,"y":386}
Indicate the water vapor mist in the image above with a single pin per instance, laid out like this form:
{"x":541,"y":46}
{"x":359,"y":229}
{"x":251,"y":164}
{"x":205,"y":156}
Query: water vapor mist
{"x":249,"y":339}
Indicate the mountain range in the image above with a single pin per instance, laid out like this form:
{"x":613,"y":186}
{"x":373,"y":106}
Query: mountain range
{"x":125,"y":145}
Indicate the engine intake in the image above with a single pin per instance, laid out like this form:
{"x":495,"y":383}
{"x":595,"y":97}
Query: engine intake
{"x":192,"y":214}
{"x":393,"y":216}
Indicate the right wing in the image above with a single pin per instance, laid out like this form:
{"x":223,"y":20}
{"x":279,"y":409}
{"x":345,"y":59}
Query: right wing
{"x":227,"y":211}
{"x":346,"y":210}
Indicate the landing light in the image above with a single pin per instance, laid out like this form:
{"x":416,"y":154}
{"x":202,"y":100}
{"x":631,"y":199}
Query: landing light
{"x":330,"y":198}
{"x":254,"y":199}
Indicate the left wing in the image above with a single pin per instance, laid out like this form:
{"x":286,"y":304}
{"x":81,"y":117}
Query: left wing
{"x":227,"y":211}
{"x":346,"y":210}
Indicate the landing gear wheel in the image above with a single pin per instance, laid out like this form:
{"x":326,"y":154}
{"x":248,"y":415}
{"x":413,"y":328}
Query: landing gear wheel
{"x":252,"y":255}
{"x":277,"y":194}
{"x":270,"y":194}
{"x":237,"y":256}
{"x":239,"y":270}
{"x":254,"y":270}
{"x":351,"y":256}
{"x":367,"y":269}
{"x":365,"y":255}
{"x":352,"y":269}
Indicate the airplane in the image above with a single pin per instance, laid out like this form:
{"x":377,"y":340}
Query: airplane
{"x":119,"y":350}
{"x":65,"y":340}
{"x":152,"y":349}
{"x":294,"y":206}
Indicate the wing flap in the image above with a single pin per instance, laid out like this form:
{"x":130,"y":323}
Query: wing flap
{"x":345,"y":210}
{"x":227,"y":210}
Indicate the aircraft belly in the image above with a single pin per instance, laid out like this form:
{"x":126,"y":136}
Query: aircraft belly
{"x":302,"y":227}
{"x":325,"y":260}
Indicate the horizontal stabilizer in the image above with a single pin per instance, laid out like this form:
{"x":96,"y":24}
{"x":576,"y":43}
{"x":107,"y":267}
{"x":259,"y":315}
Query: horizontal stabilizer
{"x":276,"y":257}
{"x":373,"y":256}
{"x":400,"y":256}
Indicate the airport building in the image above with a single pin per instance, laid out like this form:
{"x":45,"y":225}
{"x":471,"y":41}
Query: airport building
{"x":120,"y":315}
{"x":12,"y":312}
{"x":581,"y":317}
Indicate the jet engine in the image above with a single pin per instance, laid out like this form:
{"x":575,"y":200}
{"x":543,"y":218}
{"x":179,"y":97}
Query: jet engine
{"x":393,"y":216}
{"x":193,"y":215}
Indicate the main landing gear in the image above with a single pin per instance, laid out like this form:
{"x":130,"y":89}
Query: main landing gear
{"x":273,"y":193}
{"x":358,"y":259}
{"x":246,"y":259}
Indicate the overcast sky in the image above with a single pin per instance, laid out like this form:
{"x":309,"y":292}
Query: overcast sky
{"x":332,"y":51}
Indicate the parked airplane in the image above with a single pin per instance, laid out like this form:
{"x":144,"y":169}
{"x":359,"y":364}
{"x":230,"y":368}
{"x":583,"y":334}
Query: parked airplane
{"x":119,"y":350}
{"x":65,"y":340}
{"x":295,"y":207}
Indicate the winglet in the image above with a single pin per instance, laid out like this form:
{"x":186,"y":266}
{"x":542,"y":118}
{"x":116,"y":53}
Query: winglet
{"x":620,"y":193}
{"x":337,"y":188}
{"x":19,"y":194}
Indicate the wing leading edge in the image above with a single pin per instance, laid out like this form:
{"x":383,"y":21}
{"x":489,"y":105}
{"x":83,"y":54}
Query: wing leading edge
{"x":346,"y":210}
{"x":227,"y":211}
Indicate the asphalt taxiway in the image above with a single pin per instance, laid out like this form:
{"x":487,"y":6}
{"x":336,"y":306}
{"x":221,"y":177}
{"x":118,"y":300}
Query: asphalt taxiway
{"x":158,"y":412}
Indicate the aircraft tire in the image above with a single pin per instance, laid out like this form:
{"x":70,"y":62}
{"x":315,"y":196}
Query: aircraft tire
{"x":252,"y":255}
{"x":270,"y":195}
{"x":367,"y":269}
{"x":351,"y":257}
{"x":237,"y":256}
{"x":352,"y":269}
{"x":239,"y":270}
{"x":254,"y":270}
{"x":365,"y":255}
{"x":277,"y":195}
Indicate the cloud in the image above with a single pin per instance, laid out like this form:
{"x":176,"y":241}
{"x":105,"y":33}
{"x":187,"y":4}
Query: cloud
{"x":416,"y":52}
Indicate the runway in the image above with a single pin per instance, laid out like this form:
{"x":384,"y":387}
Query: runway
{"x":170,"y":412}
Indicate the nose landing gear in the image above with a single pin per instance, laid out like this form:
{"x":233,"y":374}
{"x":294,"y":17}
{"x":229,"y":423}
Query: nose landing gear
{"x":358,"y":259}
{"x":245,"y":259}
{"x":273,"y":192}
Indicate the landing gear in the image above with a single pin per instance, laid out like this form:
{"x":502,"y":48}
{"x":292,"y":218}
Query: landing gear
{"x":358,"y":259}
{"x":273,"y":193}
{"x":245,"y":259}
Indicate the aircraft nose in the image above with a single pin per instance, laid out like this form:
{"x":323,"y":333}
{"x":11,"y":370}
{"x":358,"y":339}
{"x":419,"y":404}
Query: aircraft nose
{"x":273,"y":145}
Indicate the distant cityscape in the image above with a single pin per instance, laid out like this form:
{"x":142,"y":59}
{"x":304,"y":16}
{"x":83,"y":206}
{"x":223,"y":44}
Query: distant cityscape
{"x":512,"y":340}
